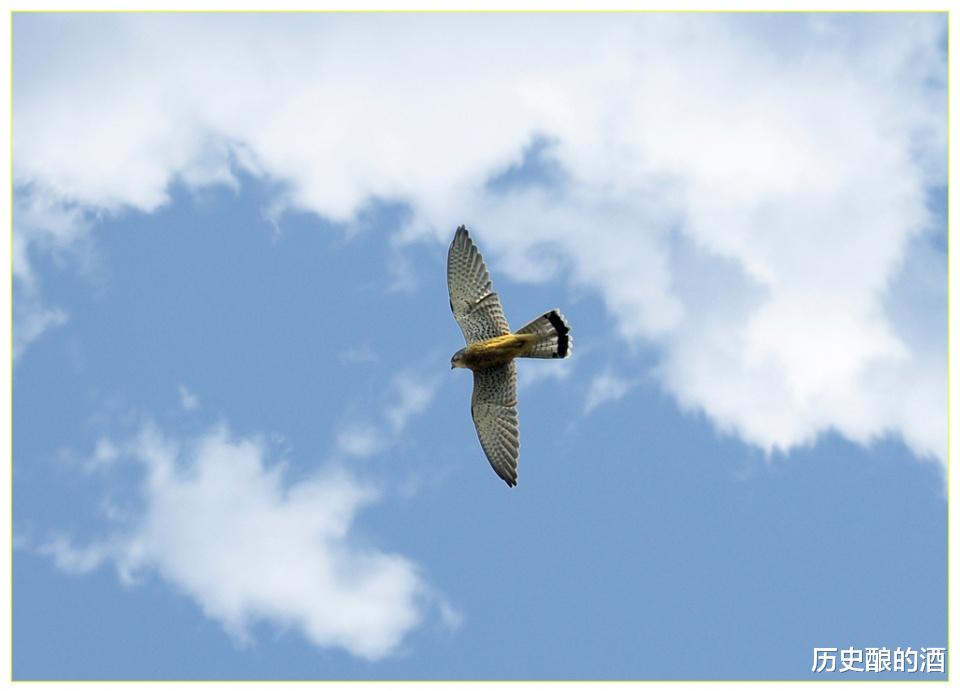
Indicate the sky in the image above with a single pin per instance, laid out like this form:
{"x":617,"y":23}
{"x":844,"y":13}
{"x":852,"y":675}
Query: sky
{"x":239,"y":451}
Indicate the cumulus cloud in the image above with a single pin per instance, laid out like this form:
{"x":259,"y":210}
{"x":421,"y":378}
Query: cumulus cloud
{"x":219,"y":522}
{"x":742,"y":191}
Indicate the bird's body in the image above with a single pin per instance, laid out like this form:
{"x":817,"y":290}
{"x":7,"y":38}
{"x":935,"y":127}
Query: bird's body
{"x":498,"y":350}
{"x":491,"y":350}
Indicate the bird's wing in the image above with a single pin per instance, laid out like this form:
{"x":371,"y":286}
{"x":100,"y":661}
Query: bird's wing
{"x":476,"y":307}
{"x":494,"y":409}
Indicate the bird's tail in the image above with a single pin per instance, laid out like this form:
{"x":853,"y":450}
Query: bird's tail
{"x":553,"y":339}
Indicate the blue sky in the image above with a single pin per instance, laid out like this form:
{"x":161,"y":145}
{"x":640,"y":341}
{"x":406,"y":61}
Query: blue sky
{"x":239,"y":451}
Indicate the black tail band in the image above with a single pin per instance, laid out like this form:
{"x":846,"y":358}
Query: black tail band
{"x":563,"y":341}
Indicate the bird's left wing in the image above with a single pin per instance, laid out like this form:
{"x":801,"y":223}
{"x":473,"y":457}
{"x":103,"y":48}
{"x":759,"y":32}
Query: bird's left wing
{"x":475,"y":306}
{"x":494,"y":409}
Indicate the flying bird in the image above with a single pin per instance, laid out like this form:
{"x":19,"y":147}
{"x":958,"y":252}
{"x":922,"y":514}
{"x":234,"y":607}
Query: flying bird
{"x":491,"y":350}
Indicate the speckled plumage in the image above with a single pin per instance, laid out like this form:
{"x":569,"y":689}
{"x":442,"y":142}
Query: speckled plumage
{"x":494,"y":411}
{"x":491,"y":350}
{"x":475,"y":306}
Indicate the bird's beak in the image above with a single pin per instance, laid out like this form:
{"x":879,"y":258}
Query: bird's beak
{"x":452,"y":366}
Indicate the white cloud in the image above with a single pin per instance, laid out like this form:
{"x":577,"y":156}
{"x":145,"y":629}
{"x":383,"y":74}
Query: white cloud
{"x":409,"y":396}
{"x":73,"y":559}
{"x":362,"y":440}
{"x":31,"y":319}
{"x":219,"y":523}
{"x":56,"y":227}
{"x":104,"y":454}
{"x":536,"y":372}
{"x":606,"y":387}
{"x":794,"y":150}
{"x":188,"y":399}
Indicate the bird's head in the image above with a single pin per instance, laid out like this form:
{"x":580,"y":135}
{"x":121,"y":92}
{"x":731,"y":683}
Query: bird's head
{"x":457,"y":359}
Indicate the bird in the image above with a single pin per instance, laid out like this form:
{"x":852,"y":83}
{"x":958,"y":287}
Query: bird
{"x":491,"y":350}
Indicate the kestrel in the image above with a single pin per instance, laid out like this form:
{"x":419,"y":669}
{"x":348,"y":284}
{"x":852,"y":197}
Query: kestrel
{"x":491,"y":349}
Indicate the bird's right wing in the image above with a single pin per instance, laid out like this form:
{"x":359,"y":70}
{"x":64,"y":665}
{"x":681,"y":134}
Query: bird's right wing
{"x":475,"y":306}
{"x":494,"y":409}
